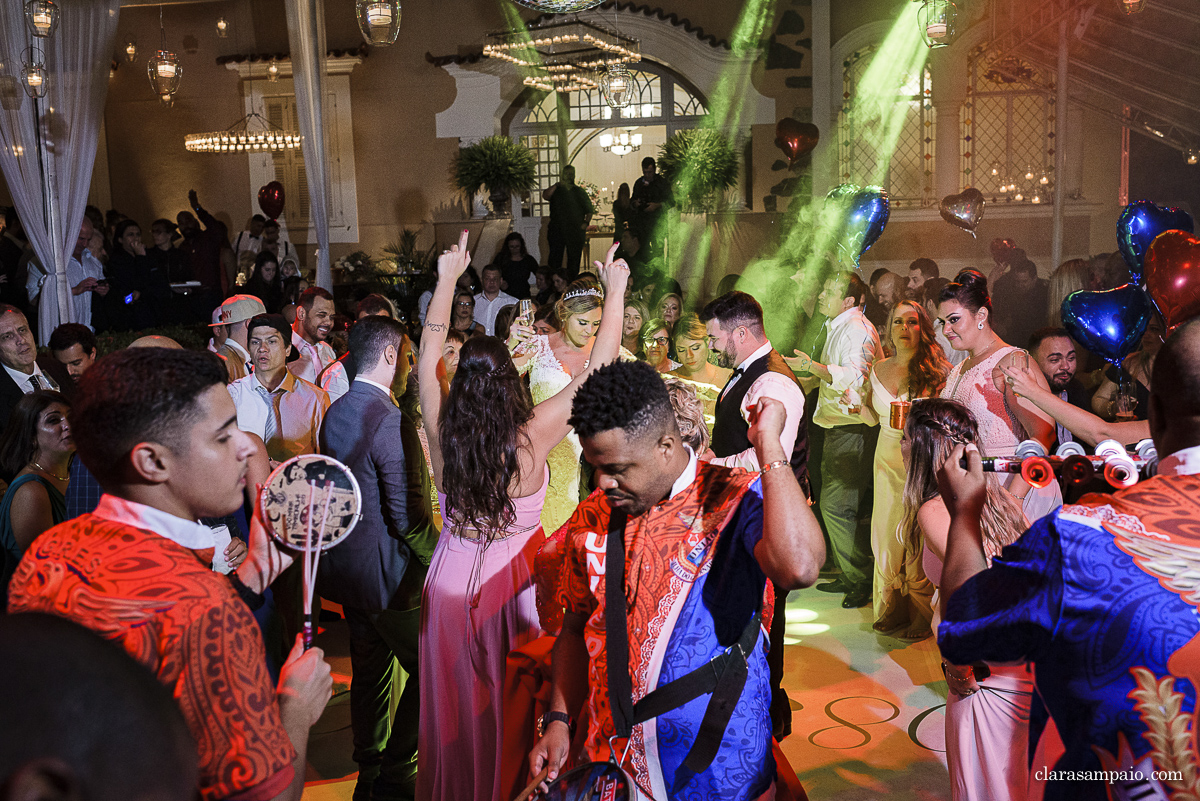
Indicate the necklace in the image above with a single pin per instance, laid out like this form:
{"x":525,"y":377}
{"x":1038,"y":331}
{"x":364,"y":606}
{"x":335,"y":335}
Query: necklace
{"x":976,"y":360}
{"x":47,"y":472}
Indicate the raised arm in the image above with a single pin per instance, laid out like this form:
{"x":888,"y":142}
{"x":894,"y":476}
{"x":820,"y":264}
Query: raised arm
{"x":1037,"y":424}
{"x":964,"y":492}
{"x":549,"y":423}
{"x":451,"y":264}
{"x":1083,"y":424}
{"x":792,"y":548}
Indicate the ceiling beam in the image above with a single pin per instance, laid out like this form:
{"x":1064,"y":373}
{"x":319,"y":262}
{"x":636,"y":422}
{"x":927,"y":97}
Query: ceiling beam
{"x":1076,"y":64}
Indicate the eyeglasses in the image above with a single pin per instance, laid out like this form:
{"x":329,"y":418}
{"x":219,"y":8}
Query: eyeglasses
{"x":466,"y":303}
{"x":657,"y":341}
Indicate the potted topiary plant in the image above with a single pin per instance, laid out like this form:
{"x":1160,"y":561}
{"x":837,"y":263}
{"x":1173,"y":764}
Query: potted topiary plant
{"x":701,"y":164}
{"x":498,"y":163}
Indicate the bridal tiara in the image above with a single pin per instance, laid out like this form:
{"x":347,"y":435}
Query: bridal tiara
{"x":583,"y":293}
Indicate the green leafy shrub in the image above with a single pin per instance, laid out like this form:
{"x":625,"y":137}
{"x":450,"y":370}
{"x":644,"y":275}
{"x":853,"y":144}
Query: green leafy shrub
{"x":497,"y":163}
{"x":701,"y":164}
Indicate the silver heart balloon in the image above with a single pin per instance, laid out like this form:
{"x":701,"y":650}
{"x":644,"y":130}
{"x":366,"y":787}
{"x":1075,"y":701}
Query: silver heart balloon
{"x":964,"y":210}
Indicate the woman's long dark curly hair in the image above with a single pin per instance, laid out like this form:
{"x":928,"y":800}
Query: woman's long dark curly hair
{"x":482,"y":431}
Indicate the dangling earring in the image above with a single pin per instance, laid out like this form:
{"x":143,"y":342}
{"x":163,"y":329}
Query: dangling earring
{"x":980,"y":326}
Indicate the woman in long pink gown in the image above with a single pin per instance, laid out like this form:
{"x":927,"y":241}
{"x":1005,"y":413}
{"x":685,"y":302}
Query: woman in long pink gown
{"x":964,"y":310}
{"x":488,"y":446}
{"x":987,"y":718}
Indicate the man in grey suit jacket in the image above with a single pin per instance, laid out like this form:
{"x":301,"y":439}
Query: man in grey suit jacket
{"x":377,"y":573}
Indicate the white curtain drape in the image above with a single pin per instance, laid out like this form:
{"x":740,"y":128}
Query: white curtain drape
{"x":48,"y":146}
{"x":306,"y":32}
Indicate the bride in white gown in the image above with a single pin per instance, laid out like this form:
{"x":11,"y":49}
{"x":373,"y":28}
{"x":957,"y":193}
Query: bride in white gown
{"x":551,"y":361}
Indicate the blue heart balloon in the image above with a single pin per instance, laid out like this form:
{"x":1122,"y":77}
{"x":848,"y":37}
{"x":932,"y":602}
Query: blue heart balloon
{"x":1110,"y":323}
{"x":1137,"y":227}
{"x":866,"y":212}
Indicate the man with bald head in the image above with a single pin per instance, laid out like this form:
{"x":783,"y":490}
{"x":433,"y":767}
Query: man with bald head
{"x":1100,"y":597}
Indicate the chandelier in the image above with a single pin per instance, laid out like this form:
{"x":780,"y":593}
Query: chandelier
{"x":622,"y":144}
{"x":937,"y":21}
{"x":563,"y":56}
{"x":41,"y":18}
{"x":253,"y":132}
{"x":1132,"y":6}
{"x":560,"y":6}
{"x":164,"y":68}
{"x":379,"y":21}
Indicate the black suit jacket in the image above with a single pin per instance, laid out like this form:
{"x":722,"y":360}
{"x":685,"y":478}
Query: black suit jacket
{"x":10,"y":393}
{"x":382,"y":564}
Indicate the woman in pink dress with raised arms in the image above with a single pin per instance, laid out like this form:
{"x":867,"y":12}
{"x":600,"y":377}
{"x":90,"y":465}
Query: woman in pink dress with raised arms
{"x":979,"y":383}
{"x":488,"y":446}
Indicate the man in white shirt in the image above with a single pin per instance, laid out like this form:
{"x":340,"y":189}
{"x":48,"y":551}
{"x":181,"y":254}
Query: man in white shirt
{"x":236,"y":313}
{"x":314,"y":321}
{"x":491,"y":300}
{"x":284,"y":411}
{"x":274,"y":241}
{"x":85,"y":275}
{"x":847,"y":429}
{"x":247,"y":244}
{"x":335,"y":379}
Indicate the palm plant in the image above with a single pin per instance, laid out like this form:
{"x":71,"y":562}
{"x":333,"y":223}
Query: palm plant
{"x":701,"y":164}
{"x":499,"y":164}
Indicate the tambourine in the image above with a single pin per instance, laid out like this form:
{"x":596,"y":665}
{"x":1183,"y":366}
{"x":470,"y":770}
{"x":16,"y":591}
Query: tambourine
{"x":310,"y":503}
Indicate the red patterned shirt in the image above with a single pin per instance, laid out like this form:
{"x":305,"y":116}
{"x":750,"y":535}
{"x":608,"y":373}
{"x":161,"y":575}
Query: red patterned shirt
{"x":163,"y":603}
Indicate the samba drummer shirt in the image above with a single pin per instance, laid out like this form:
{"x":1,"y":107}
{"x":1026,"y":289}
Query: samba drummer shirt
{"x":143,"y":579}
{"x":692,"y":584}
{"x":1101,"y":597}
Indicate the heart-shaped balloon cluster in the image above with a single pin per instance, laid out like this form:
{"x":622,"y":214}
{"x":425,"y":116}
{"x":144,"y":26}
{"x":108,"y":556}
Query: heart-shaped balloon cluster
{"x":1173,"y":276}
{"x":1139,"y":225}
{"x":964,"y":210}
{"x":796,"y":139}
{"x":864,"y":215}
{"x":1109,"y":323}
{"x":270,"y":199}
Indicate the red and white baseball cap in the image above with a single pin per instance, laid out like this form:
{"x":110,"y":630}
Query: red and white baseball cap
{"x":236,"y":309}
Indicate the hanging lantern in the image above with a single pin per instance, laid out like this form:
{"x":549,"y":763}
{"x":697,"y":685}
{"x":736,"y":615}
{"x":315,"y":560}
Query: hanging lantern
{"x":1133,"y":6}
{"x":617,"y":86}
{"x":130,"y":50}
{"x":937,"y":19}
{"x":273,"y":72}
{"x":222,"y":28}
{"x":34,"y":78}
{"x":379,"y":21}
{"x":41,"y":17}
{"x":165,"y":71}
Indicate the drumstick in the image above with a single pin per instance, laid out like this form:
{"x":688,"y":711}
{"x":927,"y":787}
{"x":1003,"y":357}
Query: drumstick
{"x":308,"y":625}
{"x":320,"y":541}
{"x":528,"y":791}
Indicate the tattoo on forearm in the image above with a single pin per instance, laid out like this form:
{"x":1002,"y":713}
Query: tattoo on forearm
{"x":436,"y":327}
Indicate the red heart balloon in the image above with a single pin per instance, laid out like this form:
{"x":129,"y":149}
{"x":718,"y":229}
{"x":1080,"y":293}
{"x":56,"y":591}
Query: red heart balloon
{"x":1002,"y":250}
{"x":270,"y":199}
{"x":964,"y":210}
{"x":1173,"y":276}
{"x":796,"y":138}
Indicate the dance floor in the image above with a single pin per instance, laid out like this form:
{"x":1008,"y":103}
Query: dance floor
{"x":867,"y":724}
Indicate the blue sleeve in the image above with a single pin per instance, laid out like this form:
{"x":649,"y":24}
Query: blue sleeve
{"x":734,"y":588}
{"x":1010,"y":611}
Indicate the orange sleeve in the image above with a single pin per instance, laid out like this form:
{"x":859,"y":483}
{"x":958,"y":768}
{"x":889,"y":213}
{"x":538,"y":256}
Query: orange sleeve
{"x":226,"y":694}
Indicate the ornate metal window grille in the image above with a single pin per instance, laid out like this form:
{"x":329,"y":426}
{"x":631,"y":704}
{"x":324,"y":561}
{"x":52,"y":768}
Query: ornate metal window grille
{"x":907,"y":172}
{"x":1008,"y":132}
{"x":659,"y":99}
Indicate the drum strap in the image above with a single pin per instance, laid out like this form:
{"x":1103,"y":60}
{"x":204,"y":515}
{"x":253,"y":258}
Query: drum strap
{"x":724,"y":676}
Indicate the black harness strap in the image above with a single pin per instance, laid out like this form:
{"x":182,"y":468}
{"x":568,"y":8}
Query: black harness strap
{"x":724,"y":676}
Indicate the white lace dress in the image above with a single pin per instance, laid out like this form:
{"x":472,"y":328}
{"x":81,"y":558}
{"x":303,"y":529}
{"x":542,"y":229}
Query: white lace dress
{"x":547,"y":378}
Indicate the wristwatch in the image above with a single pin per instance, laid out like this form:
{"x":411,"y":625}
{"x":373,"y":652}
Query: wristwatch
{"x":550,"y":717}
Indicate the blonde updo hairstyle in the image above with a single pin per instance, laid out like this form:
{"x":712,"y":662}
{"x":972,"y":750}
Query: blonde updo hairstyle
{"x":580,"y":303}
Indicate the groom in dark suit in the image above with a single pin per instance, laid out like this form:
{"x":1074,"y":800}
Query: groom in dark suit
{"x":377,"y":573}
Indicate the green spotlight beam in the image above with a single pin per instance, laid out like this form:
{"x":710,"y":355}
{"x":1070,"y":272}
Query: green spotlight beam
{"x":808,"y":249}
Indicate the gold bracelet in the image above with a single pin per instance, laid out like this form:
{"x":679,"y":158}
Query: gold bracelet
{"x":775,"y":466}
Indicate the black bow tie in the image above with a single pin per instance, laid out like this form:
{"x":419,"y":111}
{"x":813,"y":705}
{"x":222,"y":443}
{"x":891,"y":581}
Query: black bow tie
{"x":736,"y":373}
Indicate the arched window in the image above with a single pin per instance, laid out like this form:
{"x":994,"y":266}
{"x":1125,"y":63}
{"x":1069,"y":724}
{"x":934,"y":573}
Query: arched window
{"x":573,"y":128}
{"x":863,"y":158}
{"x":1008,"y":132}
